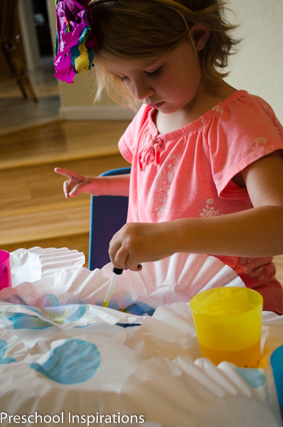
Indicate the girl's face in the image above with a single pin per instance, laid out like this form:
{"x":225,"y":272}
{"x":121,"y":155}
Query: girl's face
{"x":170,"y":83}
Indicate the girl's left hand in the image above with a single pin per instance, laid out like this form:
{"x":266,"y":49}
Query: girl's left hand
{"x":135,"y":243}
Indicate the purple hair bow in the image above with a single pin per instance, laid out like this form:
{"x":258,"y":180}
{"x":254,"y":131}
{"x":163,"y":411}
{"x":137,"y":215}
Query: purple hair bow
{"x":74,"y":39}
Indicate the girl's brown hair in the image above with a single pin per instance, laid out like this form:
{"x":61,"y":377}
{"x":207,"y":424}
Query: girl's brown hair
{"x":140,"y":29}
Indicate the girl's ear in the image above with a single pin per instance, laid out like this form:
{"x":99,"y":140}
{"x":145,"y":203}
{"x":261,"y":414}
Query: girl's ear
{"x":199,"y":35}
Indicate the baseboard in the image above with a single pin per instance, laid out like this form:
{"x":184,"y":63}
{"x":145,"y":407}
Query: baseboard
{"x":96,"y":112}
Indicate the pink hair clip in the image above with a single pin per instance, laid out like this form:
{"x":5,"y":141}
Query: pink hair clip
{"x":74,"y":39}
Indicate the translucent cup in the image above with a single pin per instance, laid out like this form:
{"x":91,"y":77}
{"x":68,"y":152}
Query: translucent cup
{"x":5,"y":270}
{"x":228,"y":325}
{"x":276,"y":362}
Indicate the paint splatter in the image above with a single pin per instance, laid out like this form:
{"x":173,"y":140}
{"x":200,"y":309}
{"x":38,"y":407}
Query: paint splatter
{"x":75,"y":361}
{"x":26,"y":321}
{"x":3,"y":348}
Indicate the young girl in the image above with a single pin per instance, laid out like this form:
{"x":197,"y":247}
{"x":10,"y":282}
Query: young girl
{"x":206,"y":159}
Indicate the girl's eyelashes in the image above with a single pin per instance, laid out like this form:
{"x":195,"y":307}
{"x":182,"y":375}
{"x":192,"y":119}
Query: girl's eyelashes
{"x":123,"y":78}
{"x":149,"y":73}
{"x":154,"y":72}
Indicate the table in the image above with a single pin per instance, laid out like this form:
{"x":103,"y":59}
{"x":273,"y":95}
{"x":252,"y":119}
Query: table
{"x":66,"y":360}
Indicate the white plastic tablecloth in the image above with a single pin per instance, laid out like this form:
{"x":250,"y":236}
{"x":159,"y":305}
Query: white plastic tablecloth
{"x":66,"y":360}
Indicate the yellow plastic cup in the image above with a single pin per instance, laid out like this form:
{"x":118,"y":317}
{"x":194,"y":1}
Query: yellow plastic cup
{"x":228,"y":325}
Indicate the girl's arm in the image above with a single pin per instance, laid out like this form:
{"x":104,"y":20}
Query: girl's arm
{"x":257,"y":232}
{"x":116,"y":185}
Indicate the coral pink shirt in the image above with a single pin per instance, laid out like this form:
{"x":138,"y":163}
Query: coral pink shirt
{"x":188,"y":172}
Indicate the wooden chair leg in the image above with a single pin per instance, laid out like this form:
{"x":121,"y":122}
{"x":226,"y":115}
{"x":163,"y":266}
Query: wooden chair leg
{"x":29,"y":88}
{"x":22,"y":89}
{"x":17,"y":69}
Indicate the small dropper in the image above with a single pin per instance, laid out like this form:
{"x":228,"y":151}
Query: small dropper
{"x":112,"y":284}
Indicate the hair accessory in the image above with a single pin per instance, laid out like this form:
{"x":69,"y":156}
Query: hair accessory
{"x":74,"y":39}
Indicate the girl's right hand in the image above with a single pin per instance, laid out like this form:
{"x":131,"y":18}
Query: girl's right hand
{"x":76,"y":184}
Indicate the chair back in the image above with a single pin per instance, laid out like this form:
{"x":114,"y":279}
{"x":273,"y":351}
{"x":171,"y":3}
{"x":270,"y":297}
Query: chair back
{"x":107,"y":215}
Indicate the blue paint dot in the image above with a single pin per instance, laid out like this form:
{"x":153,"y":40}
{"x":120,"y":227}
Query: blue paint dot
{"x":140,"y":309}
{"x":75,"y":361}
{"x":7,"y":360}
{"x":253,"y":377}
{"x":3,"y":348}
{"x":26,"y":321}
{"x":78,"y":314}
{"x":50,"y":300}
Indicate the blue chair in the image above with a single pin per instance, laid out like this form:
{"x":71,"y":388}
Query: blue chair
{"x":107,"y":215}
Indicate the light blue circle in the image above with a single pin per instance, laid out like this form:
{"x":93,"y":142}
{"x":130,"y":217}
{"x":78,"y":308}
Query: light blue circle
{"x":78,"y":313}
{"x":75,"y":361}
{"x":7,"y":360}
{"x":253,"y":377}
{"x":26,"y":321}
{"x":3,"y":348}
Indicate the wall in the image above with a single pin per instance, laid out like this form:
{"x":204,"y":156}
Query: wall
{"x":28,"y":33}
{"x":257,"y":67}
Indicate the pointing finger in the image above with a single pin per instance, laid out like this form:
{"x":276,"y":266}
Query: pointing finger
{"x":68,"y":173}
